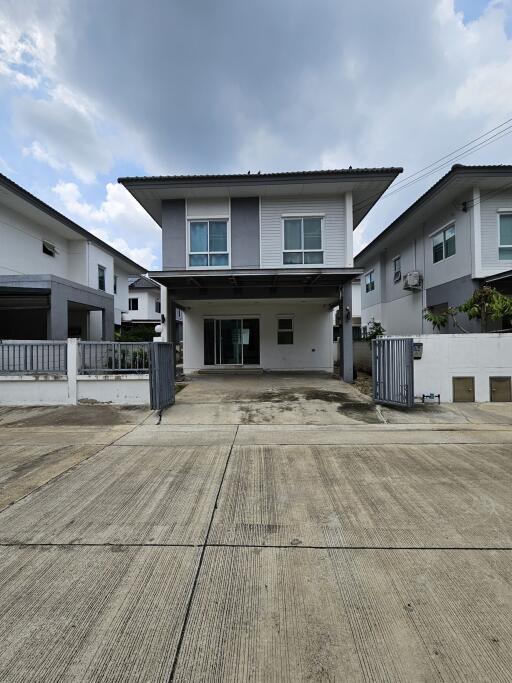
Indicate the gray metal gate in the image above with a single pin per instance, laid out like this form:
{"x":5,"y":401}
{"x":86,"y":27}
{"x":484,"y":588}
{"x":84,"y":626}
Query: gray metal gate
{"x":393,"y":372}
{"x":161,"y":375}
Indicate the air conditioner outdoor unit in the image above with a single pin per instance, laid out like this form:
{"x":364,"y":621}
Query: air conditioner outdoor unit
{"x":412,"y":280}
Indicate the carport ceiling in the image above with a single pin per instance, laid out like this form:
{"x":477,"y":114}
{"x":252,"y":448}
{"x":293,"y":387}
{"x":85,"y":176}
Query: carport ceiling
{"x":256,"y":284}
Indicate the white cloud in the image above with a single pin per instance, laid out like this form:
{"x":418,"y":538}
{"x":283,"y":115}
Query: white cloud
{"x":118,"y":206}
{"x":142,"y":255}
{"x":39,"y":153}
{"x":123,"y":221}
{"x":68,"y":134}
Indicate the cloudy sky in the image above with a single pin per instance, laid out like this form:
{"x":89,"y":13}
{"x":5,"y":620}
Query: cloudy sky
{"x":95,"y":89}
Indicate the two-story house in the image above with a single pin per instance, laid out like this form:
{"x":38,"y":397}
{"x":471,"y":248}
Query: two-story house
{"x":145,"y":306}
{"x":258,"y":261}
{"x":56,"y":279}
{"x":454,"y":238}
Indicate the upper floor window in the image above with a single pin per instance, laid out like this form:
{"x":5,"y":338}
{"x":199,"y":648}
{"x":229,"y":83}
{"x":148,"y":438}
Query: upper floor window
{"x":505,"y":248}
{"x":115,"y":284}
{"x":369,"y":281}
{"x":443,"y":244}
{"x":49,"y":249}
{"x":208,"y":244}
{"x":302,"y":241}
{"x":397,"y":269}
{"x":157,"y":306}
{"x":101,"y":277}
{"x":133,"y":304}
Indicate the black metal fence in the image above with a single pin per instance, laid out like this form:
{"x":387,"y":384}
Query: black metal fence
{"x":393,"y":371}
{"x":97,"y":358}
{"x":33,"y":357}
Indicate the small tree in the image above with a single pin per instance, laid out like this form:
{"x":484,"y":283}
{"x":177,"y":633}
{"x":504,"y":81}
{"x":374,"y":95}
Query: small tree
{"x":487,"y":304}
{"x":374,"y":330}
{"x":484,"y":304}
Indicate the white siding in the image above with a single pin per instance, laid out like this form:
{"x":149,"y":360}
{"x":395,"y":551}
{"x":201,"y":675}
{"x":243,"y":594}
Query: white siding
{"x":334,"y":235}
{"x":21,"y":250}
{"x":489,"y":225}
{"x":146,"y":310}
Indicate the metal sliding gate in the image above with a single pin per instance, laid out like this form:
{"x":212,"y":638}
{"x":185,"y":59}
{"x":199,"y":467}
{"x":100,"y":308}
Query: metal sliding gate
{"x":161,"y":375}
{"x":393,"y":372}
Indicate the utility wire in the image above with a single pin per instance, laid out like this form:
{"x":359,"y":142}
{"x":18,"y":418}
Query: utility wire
{"x":450,"y":158}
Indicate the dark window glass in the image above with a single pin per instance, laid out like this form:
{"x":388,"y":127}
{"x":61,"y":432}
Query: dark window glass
{"x":133,"y":304}
{"x":209,"y":342}
{"x":292,"y":257}
{"x":101,"y":278}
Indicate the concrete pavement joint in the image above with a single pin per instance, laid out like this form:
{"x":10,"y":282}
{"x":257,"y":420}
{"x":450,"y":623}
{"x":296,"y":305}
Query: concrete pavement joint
{"x":200,"y":563}
{"x":69,"y":469}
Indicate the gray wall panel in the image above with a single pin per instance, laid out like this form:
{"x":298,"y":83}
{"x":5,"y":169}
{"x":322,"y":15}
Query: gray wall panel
{"x":245,"y":232}
{"x":174,"y":235}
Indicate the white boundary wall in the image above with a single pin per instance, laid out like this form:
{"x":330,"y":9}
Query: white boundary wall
{"x":70,"y":389}
{"x":461,"y":355}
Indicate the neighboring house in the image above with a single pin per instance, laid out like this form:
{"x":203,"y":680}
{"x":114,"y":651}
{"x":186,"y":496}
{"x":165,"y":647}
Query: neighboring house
{"x":454,"y":238}
{"x":56,"y":279}
{"x":259,"y":261}
{"x":145,"y":306}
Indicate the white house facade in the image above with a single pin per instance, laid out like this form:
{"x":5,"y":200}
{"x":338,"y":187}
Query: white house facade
{"x":454,"y":238}
{"x":56,"y":279}
{"x":258,"y":262}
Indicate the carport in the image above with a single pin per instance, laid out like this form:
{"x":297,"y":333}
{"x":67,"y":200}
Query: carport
{"x":258,"y":304}
{"x":51,"y":307}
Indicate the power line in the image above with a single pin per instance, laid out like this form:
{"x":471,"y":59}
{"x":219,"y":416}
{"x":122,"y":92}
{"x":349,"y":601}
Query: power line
{"x":450,"y":158}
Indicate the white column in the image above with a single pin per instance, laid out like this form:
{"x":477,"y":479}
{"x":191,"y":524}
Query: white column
{"x":72,"y":358}
{"x":349,"y":222}
{"x":346,"y":322}
{"x":164,"y":309}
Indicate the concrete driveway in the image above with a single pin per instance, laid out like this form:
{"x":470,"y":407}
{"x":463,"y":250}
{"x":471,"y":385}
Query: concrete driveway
{"x":269,"y":528}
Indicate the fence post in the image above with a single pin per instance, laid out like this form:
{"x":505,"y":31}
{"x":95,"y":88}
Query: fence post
{"x":72,"y":363}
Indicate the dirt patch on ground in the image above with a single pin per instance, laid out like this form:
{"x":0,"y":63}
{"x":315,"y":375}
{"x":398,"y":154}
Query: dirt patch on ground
{"x":302,"y":393}
{"x":103,"y":415}
{"x":364,"y":384}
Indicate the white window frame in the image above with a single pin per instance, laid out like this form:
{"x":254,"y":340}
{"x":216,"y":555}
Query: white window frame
{"x":130,"y":299}
{"x":104,"y":268}
{"x":502,"y":212}
{"x":290,"y":329}
{"x":50,"y":247}
{"x":396,"y":279}
{"x":296,"y":216}
{"x":158,"y":306}
{"x":115,"y":283}
{"x":369,"y":272}
{"x":443,"y":229}
{"x":197,"y":219}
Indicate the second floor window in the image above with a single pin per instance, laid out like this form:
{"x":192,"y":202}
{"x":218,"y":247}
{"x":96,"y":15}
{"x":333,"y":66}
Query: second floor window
{"x":369,"y":281}
{"x":443,"y":244}
{"x":505,"y":248}
{"x":208,"y":244}
{"x":115,"y":284}
{"x":133,"y":304}
{"x":101,"y":278}
{"x":397,"y":269}
{"x":302,"y":241}
{"x":49,"y":248}
{"x":157,"y":306}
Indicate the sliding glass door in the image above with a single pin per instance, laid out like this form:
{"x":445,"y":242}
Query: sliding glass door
{"x":231,"y":341}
